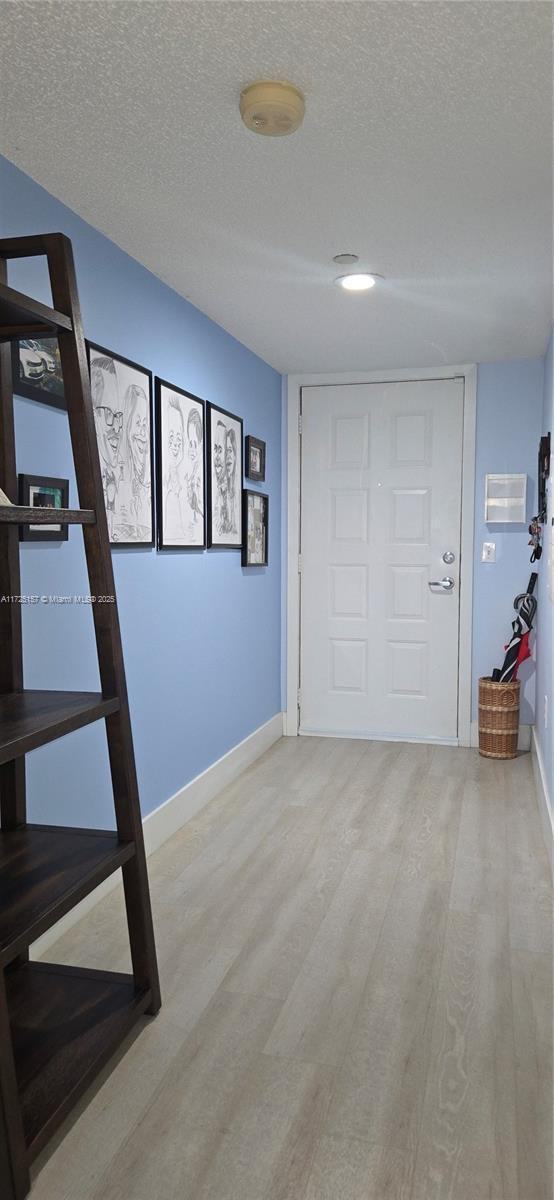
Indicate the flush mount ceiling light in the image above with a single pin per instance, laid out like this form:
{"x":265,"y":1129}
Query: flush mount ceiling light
{"x":272,"y":107}
{"x":345,"y":260}
{"x":358,"y":282}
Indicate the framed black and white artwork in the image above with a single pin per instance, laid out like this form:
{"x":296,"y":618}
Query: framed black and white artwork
{"x":256,"y":529}
{"x":544,"y":472}
{"x":122,"y":406}
{"x":42,"y":491}
{"x":181,"y":477}
{"x":224,"y":473}
{"x":37,"y":370}
{"x":255,"y":460}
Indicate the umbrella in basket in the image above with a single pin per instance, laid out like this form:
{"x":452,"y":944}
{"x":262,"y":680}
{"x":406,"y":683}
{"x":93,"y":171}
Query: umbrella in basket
{"x":517,"y":649}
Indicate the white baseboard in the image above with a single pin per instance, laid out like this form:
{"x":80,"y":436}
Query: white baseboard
{"x":543,"y":798}
{"x":523,"y":741}
{"x":170,"y":816}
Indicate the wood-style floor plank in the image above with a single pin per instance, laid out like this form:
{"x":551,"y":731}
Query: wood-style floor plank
{"x":274,"y":954}
{"x":355,"y":955}
{"x":430,"y":844}
{"x":533,"y":1012}
{"x":347,"y":1169}
{"x":380,"y":1087}
{"x":316,"y":1019}
{"x":281,"y":1114}
{"x":172,"y":1148}
{"x":467,"y":1144}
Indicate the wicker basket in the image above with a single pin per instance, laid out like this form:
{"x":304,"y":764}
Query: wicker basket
{"x":498,"y":718}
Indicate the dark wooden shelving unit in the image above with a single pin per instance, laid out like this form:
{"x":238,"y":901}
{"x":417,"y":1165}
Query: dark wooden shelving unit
{"x":59,"y":1025}
{"x":66,"y":1024}
{"x":44,"y":871}
{"x":17,"y":514}
{"x":22,"y":317}
{"x":32,"y":718}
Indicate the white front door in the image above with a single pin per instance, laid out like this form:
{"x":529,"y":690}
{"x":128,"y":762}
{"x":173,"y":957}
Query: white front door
{"x":380,"y":520}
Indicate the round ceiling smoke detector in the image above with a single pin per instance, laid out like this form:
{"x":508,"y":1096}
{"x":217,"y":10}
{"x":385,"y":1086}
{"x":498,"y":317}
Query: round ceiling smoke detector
{"x":272,"y":107}
{"x":345,"y":260}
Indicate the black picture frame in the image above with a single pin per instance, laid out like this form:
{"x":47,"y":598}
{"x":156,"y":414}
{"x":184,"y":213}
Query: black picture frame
{"x":32,"y":486}
{"x":224,"y":521}
{"x":140,"y":493}
{"x":254,"y":453}
{"x":165,"y":541}
{"x":252,"y":501}
{"x":37,"y":371}
{"x":543,"y":475}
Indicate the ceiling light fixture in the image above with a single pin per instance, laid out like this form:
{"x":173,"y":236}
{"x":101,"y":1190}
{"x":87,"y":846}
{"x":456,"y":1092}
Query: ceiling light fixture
{"x":345,"y":260}
{"x":358,"y":282}
{"x":272,"y":107}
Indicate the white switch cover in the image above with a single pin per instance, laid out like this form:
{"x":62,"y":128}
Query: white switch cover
{"x":488,"y":553}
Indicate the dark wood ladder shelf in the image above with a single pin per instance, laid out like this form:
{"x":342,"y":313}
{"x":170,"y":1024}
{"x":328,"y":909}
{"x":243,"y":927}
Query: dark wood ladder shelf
{"x":32,"y":718}
{"x":18,"y":514}
{"x":59,"y":1025}
{"x":22,"y":317}
{"x":44,"y":871}
{"x":66,"y":1023}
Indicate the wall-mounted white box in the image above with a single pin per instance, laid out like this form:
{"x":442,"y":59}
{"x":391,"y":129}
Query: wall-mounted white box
{"x":506,"y":499}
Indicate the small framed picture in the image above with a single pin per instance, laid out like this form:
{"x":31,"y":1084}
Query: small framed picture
{"x":122,"y":405}
{"x":37,"y":370}
{"x":181,"y":476}
{"x":255,"y":459}
{"x":256,"y":529}
{"x":41,"y":491}
{"x":544,"y":472}
{"x":224,"y":475}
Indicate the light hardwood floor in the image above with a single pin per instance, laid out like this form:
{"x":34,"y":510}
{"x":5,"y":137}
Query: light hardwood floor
{"x":355,"y":953}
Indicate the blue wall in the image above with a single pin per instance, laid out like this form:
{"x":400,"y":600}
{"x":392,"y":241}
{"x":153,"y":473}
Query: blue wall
{"x":509,"y":413}
{"x":545,"y":615}
{"x":201,"y":636}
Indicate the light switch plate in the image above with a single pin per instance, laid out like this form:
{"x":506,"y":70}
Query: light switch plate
{"x":488,"y":553}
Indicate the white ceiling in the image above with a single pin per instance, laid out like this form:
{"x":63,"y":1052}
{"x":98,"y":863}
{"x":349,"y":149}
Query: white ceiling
{"x":426,"y":148}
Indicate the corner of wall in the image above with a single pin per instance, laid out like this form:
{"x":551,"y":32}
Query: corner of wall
{"x":284,"y":536}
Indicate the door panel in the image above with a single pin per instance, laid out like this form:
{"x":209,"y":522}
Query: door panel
{"x":381,"y":503}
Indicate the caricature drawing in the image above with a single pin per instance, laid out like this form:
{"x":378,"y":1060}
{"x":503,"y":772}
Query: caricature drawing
{"x":225,"y":463}
{"x":108,"y":418}
{"x":221,"y":510}
{"x":137,"y":445}
{"x":124,"y":445}
{"x":195,"y":480}
{"x":174,"y":482}
{"x":231,"y":480}
{"x":182,"y":467}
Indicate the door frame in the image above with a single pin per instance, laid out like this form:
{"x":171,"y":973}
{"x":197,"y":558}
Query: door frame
{"x":295,"y":384}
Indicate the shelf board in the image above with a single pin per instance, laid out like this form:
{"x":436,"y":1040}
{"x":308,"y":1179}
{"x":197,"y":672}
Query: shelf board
{"x":45,"y":871}
{"x":32,"y":718}
{"x":20,"y":316}
{"x":17,"y":514}
{"x":66,"y":1023}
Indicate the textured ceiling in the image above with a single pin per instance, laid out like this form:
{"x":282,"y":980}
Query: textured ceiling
{"x":426,"y":148}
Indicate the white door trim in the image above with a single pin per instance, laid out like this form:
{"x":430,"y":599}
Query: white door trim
{"x":294,"y":387}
